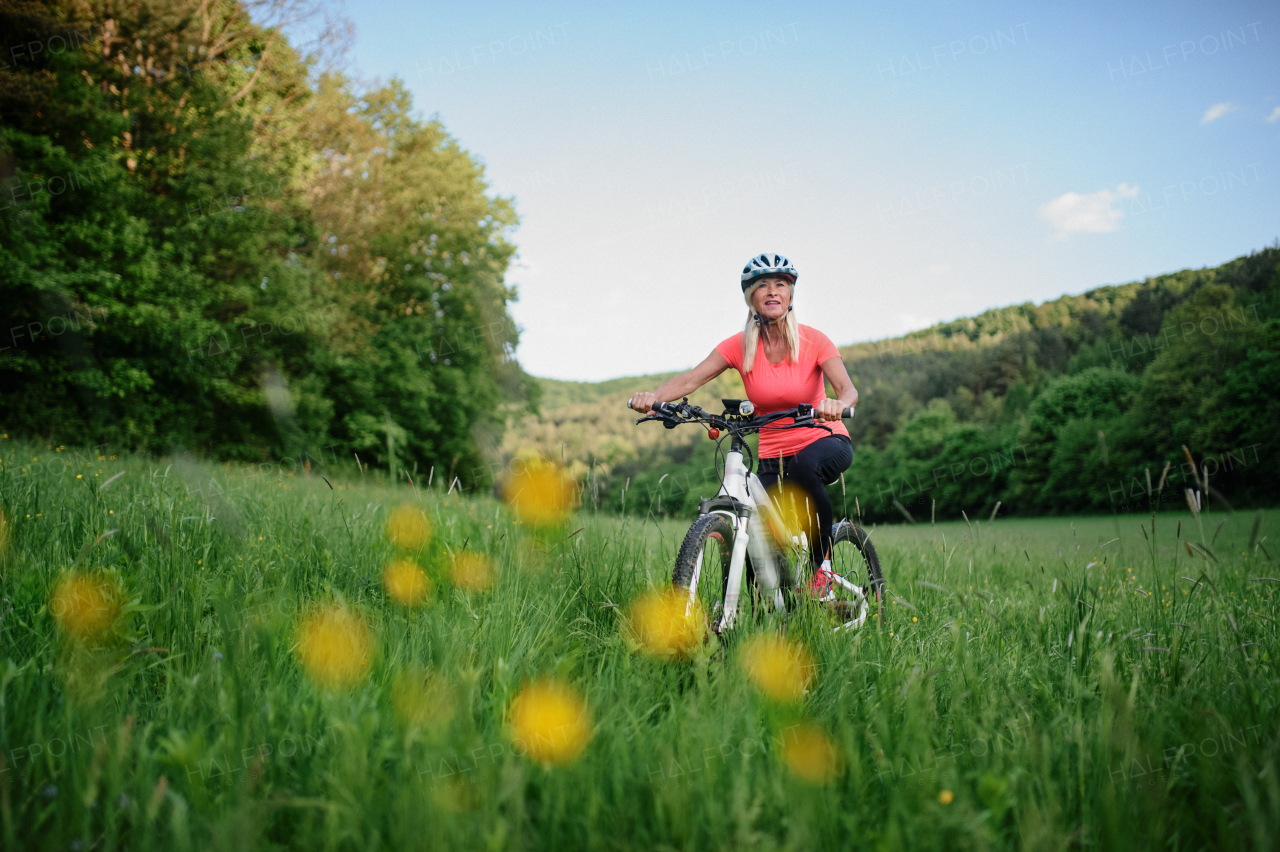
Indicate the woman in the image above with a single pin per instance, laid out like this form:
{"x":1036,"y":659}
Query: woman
{"x":782,"y":364}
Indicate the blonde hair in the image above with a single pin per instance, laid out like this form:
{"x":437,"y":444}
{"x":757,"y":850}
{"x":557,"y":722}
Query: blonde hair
{"x":751,"y":334}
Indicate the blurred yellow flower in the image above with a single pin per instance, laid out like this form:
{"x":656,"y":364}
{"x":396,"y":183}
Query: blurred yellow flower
{"x":796,"y":511}
{"x":657,"y":623}
{"x":540,"y":492}
{"x":946,"y":797}
{"x":85,"y":606}
{"x":781,"y":668}
{"x":408,"y":527}
{"x":421,"y":699}
{"x":550,"y":722}
{"x":471,"y":571}
{"x":334,"y":645}
{"x":810,"y":754}
{"x":405,"y":582}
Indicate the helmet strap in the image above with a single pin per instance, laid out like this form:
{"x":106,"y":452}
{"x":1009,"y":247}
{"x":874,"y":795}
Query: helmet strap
{"x":764,"y":323}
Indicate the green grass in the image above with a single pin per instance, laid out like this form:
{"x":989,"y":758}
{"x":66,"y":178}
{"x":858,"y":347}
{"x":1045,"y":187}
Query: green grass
{"x":1059,"y":705}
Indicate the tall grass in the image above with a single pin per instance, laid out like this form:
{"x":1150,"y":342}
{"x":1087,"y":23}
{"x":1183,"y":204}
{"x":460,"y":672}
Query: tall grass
{"x":1041,"y":683}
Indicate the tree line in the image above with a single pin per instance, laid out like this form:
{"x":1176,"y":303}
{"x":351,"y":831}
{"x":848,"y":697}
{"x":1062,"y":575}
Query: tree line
{"x":213,"y":240}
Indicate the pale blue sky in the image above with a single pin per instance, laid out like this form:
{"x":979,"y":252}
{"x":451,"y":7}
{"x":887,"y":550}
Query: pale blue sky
{"x":917,"y":162}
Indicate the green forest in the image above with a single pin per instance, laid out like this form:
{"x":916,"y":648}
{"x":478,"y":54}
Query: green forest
{"x":1115,"y":400}
{"x":217,"y":243}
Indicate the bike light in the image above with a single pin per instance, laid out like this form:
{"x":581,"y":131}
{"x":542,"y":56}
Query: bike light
{"x":713,"y":433}
{"x":746,"y":407}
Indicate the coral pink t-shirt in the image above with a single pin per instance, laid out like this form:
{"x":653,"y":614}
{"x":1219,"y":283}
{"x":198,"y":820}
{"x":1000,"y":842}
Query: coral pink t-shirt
{"x":777,"y":387}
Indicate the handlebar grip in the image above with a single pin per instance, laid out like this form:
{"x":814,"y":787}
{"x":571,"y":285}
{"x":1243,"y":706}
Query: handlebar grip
{"x":847,"y":414}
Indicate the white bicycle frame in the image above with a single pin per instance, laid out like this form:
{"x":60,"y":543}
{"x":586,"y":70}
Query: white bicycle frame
{"x":749,"y":535}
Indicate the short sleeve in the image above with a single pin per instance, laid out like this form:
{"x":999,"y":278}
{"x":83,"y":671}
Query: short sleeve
{"x":821,"y":346}
{"x":731,"y":349}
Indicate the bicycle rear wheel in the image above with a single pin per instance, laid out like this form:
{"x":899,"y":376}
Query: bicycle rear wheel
{"x":858,"y":581}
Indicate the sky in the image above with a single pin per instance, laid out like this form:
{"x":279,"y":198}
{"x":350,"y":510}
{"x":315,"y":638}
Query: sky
{"x":916,"y":162}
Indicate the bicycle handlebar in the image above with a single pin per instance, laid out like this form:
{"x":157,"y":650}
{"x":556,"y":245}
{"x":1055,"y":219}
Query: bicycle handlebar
{"x":672,"y":414}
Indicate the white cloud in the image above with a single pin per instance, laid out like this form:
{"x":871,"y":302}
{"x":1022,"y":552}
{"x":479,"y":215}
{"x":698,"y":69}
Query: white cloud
{"x":1093,"y":213}
{"x":1216,"y":112}
{"x":1275,"y":115}
{"x":939,"y":268}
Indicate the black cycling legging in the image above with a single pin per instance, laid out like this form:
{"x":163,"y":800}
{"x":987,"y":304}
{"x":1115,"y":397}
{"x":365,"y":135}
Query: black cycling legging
{"x":813,"y":468}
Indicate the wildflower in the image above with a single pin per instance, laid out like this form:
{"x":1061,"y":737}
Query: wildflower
{"x":779,"y":667}
{"x":471,"y":571}
{"x":85,"y":606}
{"x":334,"y":646}
{"x":946,"y":797}
{"x":541,"y":493}
{"x":405,"y":582}
{"x":550,"y":722}
{"x":795,"y":511}
{"x":665,"y":624}
{"x":811,"y":755}
{"x":407,"y":527}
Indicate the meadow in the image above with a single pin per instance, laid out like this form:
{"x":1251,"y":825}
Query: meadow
{"x":239,"y":657}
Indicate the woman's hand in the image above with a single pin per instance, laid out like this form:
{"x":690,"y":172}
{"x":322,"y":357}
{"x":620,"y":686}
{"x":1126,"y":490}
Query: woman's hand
{"x":643,"y":401}
{"x":830,"y":409}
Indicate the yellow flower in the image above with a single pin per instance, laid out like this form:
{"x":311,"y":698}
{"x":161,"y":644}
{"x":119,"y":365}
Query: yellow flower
{"x":421,"y":699}
{"x":810,"y":754}
{"x":85,"y":606}
{"x":407,"y":527}
{"x":657,"y":623}
{"x":471,"y":571}
{"x":550,"y":722}
{"x":796,"y":511}
{"x":540,"y":492}
{"x":405,"y":582}
{"x":782,"y":669}
{"x":946,"y":797}
{"x":334,"y":646}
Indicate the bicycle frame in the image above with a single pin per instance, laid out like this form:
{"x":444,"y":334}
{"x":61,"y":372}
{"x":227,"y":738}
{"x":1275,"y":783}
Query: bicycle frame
{"x":745,"y":488}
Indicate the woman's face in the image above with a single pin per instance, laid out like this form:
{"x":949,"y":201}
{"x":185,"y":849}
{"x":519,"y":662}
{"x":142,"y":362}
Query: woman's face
{"x":772,"y":298}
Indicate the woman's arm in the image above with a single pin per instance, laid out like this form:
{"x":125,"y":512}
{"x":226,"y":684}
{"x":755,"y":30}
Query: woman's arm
{"x":846,"y":393}
{"x":683,"y":384}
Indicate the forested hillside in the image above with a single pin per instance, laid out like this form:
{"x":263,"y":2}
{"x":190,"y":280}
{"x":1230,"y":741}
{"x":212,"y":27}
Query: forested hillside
{"x":1081,"y":404}
{"x":214,"y":243}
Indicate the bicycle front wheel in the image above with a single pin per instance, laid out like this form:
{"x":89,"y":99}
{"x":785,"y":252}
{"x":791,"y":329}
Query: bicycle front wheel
{"x":702,"y":569}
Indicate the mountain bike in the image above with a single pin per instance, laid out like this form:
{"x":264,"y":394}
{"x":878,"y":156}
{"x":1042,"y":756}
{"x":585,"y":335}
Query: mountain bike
{"x":740,"y":536}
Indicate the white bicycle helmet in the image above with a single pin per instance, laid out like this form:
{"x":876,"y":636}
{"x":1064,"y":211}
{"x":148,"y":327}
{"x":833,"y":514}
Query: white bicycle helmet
{"x":767,"y":264}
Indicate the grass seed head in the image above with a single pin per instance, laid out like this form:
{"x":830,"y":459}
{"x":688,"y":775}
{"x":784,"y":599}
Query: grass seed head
{"x":405,"y":582}
{"x":550,"y":722}
{"x":780,"y":668}
{"x":86,"y":606}
{"x":408,"y":527}
{"x":658,"y":625}
{"x":810,"y":754}
{"x":334,"y":646}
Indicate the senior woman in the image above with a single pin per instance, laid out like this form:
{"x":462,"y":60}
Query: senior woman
{"x":782,"y":364}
